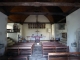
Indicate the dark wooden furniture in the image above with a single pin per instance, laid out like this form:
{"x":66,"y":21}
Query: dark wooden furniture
{"x":18,"y":58}
{"x":54,"y":47}
{"x":58,"y":56}
{"x":21,"y":48}
{"x":64,"y":56}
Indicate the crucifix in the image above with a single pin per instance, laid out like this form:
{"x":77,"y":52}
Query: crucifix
{"x":37,"y":37}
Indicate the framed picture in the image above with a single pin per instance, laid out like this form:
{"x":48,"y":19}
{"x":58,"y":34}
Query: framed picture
{"x":64,"y":35}
{"x":61,"y":26}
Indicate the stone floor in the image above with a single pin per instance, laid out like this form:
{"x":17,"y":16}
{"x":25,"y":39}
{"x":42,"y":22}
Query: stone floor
{"x":37,"y":53}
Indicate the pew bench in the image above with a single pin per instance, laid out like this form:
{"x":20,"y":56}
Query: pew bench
{"x":57,"y":56}
{"x":63,"y":56}
{"x":54,"y":43}
{"x":20,"y":49}
{"x":54,"y":47}
{"x":49,"y":49}
{"x":25,"y":44}
{"x":18,"y":58}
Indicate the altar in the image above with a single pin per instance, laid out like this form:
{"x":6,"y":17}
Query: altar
{"x":36,"y":38}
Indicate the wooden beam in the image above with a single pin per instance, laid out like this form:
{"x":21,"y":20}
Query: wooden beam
{"x":38,"y":22}
{"x":37,"y":13}
{"x":3,"y":10}
{"x":38,"y":4}
{"x":62,"y":20}
{"x":11,"y":20}
{"x":35,"y":22}
{"x":70,"y":11}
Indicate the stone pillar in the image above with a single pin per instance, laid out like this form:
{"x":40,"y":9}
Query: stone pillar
{"x":53,"y":31}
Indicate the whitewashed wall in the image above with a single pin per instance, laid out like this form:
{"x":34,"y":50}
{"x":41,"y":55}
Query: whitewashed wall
{"x":10,"y":25}
{"x":29,"y":32}
{"x":3,"y":38}
{"x":58,"y":32}
{"x":32,"y":18}
{"x":73,"y":25}
{"x":14,"y":35}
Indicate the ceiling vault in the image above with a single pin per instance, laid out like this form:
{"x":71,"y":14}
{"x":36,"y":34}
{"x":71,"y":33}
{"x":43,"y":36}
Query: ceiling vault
{"x":38,"y":4}
{"x":55,"y":10}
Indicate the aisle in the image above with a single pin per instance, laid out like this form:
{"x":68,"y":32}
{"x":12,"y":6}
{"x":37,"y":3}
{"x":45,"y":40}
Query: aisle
{"x":37,"y":53}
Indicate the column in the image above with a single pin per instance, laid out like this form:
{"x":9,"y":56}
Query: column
{"x":53,"y":31}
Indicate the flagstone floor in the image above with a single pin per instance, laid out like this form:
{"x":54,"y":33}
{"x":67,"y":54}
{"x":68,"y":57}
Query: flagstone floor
{"x":37,"y":53}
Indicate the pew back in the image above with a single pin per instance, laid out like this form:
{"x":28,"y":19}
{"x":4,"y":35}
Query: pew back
{"x":18,"y":58}
{"x":20,"y":49}
{"x":64,"y":56}
{"x":54,"y":47}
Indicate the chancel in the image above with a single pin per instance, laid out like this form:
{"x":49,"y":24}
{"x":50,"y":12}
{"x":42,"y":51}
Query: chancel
{"x":39,"y":30}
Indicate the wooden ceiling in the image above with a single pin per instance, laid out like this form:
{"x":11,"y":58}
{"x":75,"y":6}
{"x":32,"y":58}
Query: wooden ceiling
{"x":55,"y":10}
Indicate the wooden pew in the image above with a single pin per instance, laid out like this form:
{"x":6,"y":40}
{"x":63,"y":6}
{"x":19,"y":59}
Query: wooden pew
{"x":63,"y":56}
{"x":57,"y":56}
{"x":27,"y":44}
{"x":21,"y":49}
{"x":54,"y":43}
{"x":46,"y":50}
{"x":54,"y":47}
{"x":18,"y":58}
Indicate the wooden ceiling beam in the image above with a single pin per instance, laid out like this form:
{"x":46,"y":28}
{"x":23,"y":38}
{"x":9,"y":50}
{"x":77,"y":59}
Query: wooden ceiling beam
{"x":38,"y":4}
{"x":70,"y":11}
{"x":37,"y":13}
{"x":4,"y":10}
{"x":34,"y":22}
{"x":11,"y":20}
{"x":62,"y":20}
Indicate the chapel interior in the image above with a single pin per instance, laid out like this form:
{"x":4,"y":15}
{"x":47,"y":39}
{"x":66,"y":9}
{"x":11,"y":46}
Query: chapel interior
{"x":39,"y":29}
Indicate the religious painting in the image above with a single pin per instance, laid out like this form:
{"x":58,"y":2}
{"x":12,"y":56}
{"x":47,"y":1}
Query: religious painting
{"x":64,"y":35}
{"x":61,"y":26}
